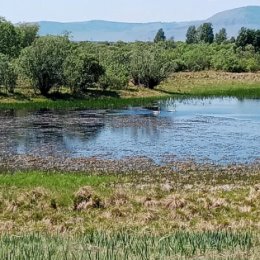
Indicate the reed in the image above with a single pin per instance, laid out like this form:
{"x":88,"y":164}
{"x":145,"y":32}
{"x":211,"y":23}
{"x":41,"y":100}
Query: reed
{"x":124,"y":245}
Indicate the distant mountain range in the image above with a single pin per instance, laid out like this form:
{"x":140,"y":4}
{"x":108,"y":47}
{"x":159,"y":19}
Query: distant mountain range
{"x":98,"y":30}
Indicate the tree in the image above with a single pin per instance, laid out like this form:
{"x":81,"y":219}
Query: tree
{"x":191,"y":35}
{"x":205,"y":33}
{"x":227,"y":60}
{"x":148,"y":67}
{"x":9,"y":39}
{"x":245,"y":37}
{"x":160,"y":36}
{"x":116,"y":63}
{"x":257,"y":40}
{"x":42,"y":62}
{"x":81,"y":70}
{"x":232,"y":40}
{"x":221,"y":36}
{"x":8,"y":76}
{"x":27,"y":33}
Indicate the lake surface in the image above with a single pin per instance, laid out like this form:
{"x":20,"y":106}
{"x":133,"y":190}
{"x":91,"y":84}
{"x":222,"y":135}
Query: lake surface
{"x":219,"y":130}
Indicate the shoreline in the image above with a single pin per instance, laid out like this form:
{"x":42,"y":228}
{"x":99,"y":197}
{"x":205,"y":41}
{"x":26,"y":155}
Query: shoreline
{"x":134,"y":164}
{"x":180,"y":85}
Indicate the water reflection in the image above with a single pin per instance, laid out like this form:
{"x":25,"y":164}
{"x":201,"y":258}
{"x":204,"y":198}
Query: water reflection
{"x":221,"y":130}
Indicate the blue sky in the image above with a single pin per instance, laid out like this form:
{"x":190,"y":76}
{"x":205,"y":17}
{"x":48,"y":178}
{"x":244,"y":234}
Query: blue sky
{"x":116,"y":10}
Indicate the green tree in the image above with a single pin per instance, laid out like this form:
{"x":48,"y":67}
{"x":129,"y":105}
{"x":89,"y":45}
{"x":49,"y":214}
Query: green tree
{"x":221,"y":36}
{"x":232,"y":40}
{"x":9,"y":39}
{"x":227,"y":60}
{"x":245,"y":37}
{"x":197,"y":57}
{"x":8,"y":75}
{"x":42,"y":62}
{"x":160,"y":36}
{"x":148,"y":67}
{"x":191,"y":35}
{"x":81,"y":70}
{"x":115,"y":60}
{"x":257,"y":40}
{"x":205,"y":33}
{"x":27,"y":33}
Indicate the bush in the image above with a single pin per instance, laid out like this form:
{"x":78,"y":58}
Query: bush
{"x":227,"y":60}
{"x":148,"y":67}
{"x":8,"y":75}
{"x":116,"y":63}
{"x":42,"y":63}
{"x":81,"y":70}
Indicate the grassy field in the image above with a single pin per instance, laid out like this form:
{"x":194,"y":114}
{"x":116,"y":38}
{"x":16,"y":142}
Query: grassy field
{"x":210,"y":215}
{"x":195,"y":84}
{"x":210,"y":83}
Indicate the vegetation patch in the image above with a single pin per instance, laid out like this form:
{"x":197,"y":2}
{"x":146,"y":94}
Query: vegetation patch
{"x":127,"y":245}
{"x":153,"y":215}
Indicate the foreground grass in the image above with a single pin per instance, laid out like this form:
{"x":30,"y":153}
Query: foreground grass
{"x":195,"y":84}
{"x":73,"y":203}
{"x":126,"y":245}
{"x":51,"y":215}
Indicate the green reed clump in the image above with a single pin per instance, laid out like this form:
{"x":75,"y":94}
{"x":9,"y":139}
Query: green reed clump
{"x":227,"y":91}
{"x":122,"y":245}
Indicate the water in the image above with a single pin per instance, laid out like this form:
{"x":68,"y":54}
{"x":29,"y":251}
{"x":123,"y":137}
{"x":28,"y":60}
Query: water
{"x":219,"y":130}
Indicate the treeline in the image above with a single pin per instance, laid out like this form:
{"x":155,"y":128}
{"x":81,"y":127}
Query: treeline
{"x":50,"y":62}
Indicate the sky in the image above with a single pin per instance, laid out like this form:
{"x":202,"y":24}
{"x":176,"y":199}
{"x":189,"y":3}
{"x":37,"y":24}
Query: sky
{"x":115,"y":10}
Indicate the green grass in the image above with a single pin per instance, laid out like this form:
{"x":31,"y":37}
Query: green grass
{"x":61,"y":186}
{"x":126,"y":245}
{"x":62,"y":182}
{"x":241,"y":92}
{"x":100,"y":103}
{"x":204,"y":215}
{"x":210,"y":83}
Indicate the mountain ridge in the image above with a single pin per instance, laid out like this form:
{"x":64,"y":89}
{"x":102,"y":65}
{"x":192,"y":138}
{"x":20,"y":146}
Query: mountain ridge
{"x":101,"y":30}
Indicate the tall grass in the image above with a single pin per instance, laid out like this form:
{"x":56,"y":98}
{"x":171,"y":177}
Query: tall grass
{"x":125,"y":245}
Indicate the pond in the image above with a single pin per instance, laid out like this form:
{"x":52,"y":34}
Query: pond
{"x":217,"y":130}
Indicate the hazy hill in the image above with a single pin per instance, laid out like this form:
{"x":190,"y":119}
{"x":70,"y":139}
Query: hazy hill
{"x":97,"y":30}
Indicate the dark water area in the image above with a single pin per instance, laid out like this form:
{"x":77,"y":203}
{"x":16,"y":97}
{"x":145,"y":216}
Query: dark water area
{"x":218,"y":130}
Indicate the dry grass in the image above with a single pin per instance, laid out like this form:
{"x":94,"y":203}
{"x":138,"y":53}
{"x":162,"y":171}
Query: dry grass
{"x":157,"y":202}
{"x":212,"y":83}
{"x":150,"y":215}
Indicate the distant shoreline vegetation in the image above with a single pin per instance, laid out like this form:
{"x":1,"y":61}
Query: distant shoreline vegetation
{"x":40,"y":66}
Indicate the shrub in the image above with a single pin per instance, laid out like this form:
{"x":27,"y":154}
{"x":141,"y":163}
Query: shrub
{"x":42,"y":63}
{"x":149,"y":67}
{"x":8,"y":75}
{"x":81,"y":70}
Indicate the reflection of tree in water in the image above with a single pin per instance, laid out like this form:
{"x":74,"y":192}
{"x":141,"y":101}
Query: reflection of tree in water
{"x":140,"y":126}
{"x":47,"y":132}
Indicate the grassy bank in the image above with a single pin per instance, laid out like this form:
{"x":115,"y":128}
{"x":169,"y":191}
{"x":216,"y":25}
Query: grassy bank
{"x":130,"y":216}
{"x":211,"y":83}
{"x":196,"y":84}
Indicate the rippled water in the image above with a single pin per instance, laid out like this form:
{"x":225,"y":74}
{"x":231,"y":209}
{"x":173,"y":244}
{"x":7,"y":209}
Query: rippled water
{"x":221,"y":130}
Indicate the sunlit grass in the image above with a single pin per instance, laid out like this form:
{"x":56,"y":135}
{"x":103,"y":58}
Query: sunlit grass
{"x":210,"y":215}
{"x":210,"y":83}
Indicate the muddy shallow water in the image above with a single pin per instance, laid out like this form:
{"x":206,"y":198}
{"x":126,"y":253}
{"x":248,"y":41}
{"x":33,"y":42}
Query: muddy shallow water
{"x":219,"y":130}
